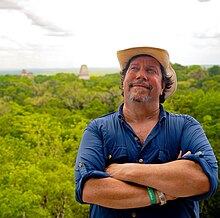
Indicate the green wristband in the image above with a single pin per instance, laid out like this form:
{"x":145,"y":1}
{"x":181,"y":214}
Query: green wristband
{"x":152,"y":195}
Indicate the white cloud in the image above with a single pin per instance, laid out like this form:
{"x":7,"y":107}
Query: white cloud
{"x":9,"y":4}
{"x":68,"y":33}
{"x":203,"y":0}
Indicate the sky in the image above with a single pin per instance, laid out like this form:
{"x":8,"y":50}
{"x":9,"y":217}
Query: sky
{"x":69,"y":33}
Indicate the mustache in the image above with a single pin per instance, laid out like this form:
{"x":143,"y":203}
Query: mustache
{"x":141,"y":83}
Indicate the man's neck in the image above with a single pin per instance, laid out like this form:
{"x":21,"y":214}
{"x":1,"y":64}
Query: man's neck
{"x":136,"y":112}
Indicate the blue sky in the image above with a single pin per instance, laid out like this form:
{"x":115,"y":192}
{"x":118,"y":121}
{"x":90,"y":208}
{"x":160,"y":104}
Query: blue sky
{"x":69,"y":33}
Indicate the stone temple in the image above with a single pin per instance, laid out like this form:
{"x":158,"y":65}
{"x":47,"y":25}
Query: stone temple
{"x":84,"y":73}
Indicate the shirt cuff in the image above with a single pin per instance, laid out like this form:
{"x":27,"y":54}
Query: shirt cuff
{"x":210,"y":171}
{"x":80,"y":184}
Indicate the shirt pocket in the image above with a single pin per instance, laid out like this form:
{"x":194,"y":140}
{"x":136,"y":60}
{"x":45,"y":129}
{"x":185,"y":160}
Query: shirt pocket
{"x":165,"y":156}
{"x":116,"y":154}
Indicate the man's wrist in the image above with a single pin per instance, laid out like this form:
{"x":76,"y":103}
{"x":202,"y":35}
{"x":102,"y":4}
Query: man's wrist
{"x":162,"y":197}
{"x":152,"y":195}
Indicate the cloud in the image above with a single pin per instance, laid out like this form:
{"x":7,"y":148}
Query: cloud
{"x":203,"y":0}
{"x":50,"y":27}
{"x":10,"y":5}
{"x":39,"y":32}
{"x":53,"y":29}
{"x":60,"y":33}
{"x":9,"y":44}
{"x":208,"y":34}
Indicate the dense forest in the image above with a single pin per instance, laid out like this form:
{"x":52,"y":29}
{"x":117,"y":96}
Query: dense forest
{"x":42,"y":119}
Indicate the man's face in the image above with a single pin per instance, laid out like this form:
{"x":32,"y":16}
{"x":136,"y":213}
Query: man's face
{"x":143,"y":80}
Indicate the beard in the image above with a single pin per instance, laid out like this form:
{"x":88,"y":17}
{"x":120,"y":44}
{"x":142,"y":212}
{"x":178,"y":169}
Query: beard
{"x":138,"y":97}
{"x":139,"y":94}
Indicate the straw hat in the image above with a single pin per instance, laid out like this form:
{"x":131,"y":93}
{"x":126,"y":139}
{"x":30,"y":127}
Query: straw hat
{"x":159,"y":54}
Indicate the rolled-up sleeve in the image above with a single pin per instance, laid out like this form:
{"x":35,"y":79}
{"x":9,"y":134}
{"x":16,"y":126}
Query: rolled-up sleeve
{"x":195,"y":140}
{"x":90,"y":162}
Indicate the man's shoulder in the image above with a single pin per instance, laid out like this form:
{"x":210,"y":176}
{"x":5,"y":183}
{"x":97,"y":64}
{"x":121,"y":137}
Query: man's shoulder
{"x":105,"y":119}
{"x":177,"y":117}
{"x":104,"y":123}
{"x":107,"y":116}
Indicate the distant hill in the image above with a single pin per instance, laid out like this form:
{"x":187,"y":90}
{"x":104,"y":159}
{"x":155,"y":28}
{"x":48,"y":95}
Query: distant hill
{"x":92,"y":71}
{"x":49,"y":71}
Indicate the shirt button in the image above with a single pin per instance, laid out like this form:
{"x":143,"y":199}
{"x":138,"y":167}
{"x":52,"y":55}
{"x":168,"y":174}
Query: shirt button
{"x":136,"y":138}
{"x":199,"y":153}
{"x":109,"y":156}
{"x":134,"y":214}
{"x":140,"y":160}
{"x":80,"y":164}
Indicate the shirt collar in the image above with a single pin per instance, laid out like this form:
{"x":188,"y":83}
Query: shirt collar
{"x":162,"y":114}
{"x":120,"y":113}
{"x":161,"y":118}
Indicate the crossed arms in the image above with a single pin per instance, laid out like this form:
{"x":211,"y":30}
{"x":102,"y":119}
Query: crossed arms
{"x":188,"y":176}
{"x":126,"y":188}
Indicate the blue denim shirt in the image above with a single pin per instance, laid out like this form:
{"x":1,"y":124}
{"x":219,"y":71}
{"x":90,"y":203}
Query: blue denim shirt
{"x":109,"y":139}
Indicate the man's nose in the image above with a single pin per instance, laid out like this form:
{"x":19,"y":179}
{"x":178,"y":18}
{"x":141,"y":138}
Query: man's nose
{"x":142,"y":74}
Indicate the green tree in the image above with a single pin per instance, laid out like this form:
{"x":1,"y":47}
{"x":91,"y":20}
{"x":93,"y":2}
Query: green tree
{"x":214,"y":70}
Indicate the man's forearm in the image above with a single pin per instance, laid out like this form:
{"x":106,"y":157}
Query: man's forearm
{"x":179,"y":178}
{"x":112,"y":193}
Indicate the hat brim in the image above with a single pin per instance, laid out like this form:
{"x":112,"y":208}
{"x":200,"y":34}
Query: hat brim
{"x":161,"y":55}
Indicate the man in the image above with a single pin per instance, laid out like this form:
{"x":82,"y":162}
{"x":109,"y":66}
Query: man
{"x":142,"y":161}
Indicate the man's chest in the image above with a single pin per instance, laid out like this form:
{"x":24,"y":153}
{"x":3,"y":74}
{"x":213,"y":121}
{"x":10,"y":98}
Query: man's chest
{"x":156,"y":146}
{"x":142,"y":131}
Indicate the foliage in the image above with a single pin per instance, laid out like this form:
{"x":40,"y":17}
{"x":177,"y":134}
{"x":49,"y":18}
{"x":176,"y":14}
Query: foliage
{"x":41,"y":124}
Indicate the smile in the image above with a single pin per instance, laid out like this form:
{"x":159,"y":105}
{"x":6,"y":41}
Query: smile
{"x":141,"y":85}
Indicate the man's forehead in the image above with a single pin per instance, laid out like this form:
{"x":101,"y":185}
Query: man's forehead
{"x":145,"y":59}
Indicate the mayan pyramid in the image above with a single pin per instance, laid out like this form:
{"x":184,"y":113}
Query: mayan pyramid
{"x":84,"y":73}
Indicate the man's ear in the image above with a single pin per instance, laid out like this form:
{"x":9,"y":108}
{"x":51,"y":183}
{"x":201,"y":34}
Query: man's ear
{"x":163,"y":87}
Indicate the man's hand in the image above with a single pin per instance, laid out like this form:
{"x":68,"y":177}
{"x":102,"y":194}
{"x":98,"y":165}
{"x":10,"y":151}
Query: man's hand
{"x":171,"y":178}
{"x":180,"y":154}
{"x":118,"y":171}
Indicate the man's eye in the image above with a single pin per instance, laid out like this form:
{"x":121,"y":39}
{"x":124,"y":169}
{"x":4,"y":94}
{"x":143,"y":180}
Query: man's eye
{"x":151,"y":71}
{"x":134,"y":68}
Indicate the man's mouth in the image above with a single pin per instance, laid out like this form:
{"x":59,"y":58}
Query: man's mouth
{"x":140,"y":84}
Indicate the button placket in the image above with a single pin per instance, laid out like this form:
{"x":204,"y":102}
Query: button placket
{"x":133,"y":214}
{"x":140,"y":160}
{"x":136,"y":138}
